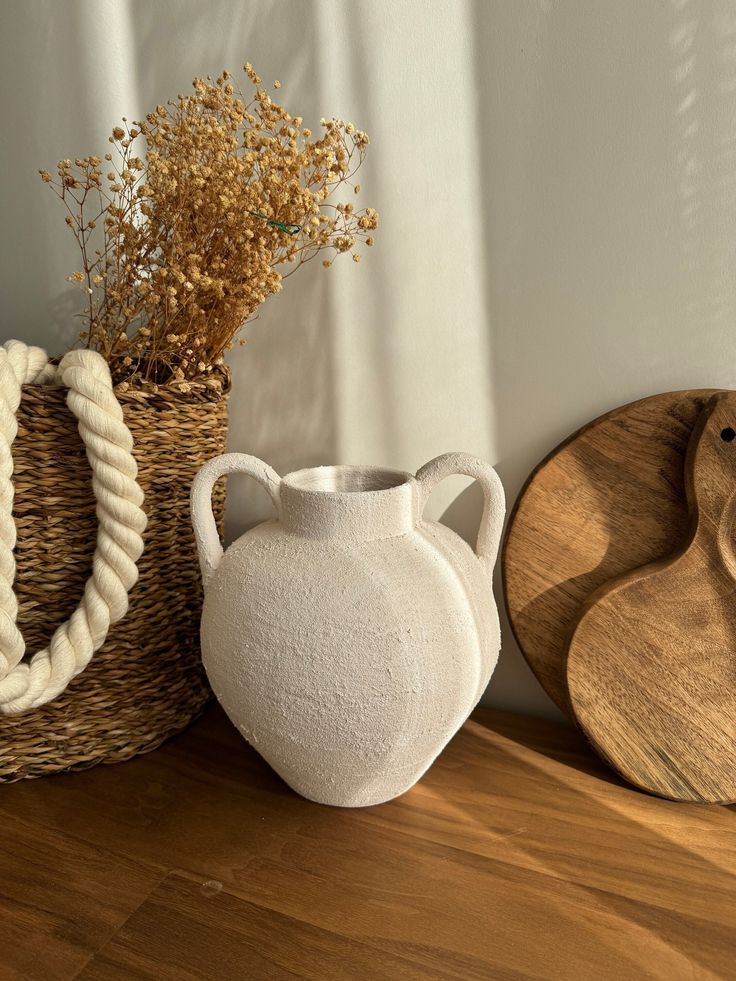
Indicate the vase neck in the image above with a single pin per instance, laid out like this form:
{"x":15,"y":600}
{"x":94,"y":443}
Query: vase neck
{"x":350,"y":503}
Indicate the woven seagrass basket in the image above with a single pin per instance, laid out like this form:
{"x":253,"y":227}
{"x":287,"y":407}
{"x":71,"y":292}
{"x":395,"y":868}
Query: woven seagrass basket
{"x":146,"y":681}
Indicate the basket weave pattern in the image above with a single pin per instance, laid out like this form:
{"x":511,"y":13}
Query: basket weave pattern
{"x":146,"y":682}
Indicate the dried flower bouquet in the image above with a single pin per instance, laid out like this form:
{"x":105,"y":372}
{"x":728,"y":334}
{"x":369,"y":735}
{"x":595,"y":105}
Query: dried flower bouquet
{"x":181,"y":244}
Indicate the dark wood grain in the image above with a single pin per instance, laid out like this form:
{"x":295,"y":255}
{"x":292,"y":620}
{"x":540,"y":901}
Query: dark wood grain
{"x":608,"y":500}
{"x":199,"y":930}
{"x":61,"y":898}
{"x":518,"y":855}
{"x":651,"y":665}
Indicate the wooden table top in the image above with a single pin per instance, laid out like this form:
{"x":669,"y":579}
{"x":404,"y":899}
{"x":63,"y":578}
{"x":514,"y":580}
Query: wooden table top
{"x":517,"y":856}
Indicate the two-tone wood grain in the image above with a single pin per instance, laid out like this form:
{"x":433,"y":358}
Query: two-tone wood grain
{"x":651,"y":665}
{"x":610,"y":499}
{"x":518,"y":856}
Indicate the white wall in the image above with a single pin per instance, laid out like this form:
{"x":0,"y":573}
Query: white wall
{"x":556,"y":182}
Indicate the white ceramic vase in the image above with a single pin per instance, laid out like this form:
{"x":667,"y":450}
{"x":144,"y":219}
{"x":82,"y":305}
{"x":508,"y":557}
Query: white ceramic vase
{"x":348,"y":639}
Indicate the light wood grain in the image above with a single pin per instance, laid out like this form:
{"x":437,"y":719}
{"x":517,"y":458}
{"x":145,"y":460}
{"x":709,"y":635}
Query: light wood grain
{"x":518,"y":855}
{"x":608,"y":500}
{"x":652,"y":662}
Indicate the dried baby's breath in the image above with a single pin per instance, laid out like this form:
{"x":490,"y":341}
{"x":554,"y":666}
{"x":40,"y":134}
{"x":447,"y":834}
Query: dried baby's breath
{"x":182,"y":239}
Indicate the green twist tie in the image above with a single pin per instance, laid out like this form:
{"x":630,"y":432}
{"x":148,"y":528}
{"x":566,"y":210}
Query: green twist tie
{"x":283,"y":226}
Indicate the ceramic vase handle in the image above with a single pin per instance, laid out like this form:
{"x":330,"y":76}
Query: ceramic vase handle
{"x":494,"y":506}
{"x":209,"y":545}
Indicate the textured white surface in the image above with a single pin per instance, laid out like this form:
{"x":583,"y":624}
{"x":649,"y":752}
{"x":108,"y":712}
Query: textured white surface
{"x":348,"y":639}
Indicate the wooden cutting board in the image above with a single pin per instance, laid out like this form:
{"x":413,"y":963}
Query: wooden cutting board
{"x":651,"y":665}
{"x":609,"y":499}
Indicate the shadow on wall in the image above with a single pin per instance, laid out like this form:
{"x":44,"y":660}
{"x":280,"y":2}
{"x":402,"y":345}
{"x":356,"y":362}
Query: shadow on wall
{"x":608,"y":222}
{"x":283,"y":404}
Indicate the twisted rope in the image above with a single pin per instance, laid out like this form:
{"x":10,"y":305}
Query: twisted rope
{"x":25,"y":685}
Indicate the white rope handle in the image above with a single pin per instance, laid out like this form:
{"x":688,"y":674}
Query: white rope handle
{"x":27,"y":684}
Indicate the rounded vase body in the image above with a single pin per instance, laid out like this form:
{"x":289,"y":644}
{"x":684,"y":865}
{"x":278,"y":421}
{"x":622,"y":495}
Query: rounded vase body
{"x":348,"y":639}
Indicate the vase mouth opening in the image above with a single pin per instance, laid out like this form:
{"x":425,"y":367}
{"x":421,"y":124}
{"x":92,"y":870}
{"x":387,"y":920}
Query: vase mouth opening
{"x":347,"y":479}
